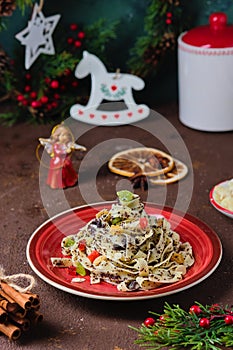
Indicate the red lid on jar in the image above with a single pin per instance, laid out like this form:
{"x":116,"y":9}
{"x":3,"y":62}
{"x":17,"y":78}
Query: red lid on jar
{"x":215,"y":35}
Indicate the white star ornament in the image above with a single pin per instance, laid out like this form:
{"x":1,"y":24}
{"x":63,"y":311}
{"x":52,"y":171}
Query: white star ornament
{"x":37,"y":37}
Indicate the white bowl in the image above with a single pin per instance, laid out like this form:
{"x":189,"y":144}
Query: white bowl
{"x":217,"y":205}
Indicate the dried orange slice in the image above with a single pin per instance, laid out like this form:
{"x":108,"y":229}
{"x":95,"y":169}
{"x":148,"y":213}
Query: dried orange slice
{"x":178,"y":172}
{"x":143,"y":160}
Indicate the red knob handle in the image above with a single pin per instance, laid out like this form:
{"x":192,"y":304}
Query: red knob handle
{"x":218,"y":20}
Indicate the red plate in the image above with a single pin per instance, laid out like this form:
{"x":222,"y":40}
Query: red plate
{"x":45,"y":243}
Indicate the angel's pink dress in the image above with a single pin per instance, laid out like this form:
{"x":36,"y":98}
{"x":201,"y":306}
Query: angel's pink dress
{"x":61,"y":172}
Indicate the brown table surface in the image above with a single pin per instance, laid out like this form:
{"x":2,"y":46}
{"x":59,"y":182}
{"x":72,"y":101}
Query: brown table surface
{"x":75,"y":322}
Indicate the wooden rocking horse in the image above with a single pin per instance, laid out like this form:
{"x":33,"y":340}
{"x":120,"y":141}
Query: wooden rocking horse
{"x":113,"y":87}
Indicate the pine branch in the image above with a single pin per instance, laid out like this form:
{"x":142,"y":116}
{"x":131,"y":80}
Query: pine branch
{"x":162,"y":24}
{"x":9,"y":118}
{"x":99,"y":34}
{"x":200,"y":328}
{"x":58,"y":64}
{"x":22,"y":4}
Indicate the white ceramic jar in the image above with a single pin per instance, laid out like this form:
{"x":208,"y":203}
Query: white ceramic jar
{"x":205,"y":76}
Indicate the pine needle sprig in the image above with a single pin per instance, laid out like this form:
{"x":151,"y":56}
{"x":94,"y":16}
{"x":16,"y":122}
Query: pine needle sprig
{"x":8,"y":118}
{"x":22,"y":4}
{"x":58,"y":64}
{"x":226,"y":336}
{"x":199,"y":328}
{"x":162,"y":25}
{"x":99,"y":34}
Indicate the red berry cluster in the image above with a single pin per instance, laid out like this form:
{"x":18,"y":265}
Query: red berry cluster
{"x":52,"y":93}
{"x":168,"y":18}
{"x":150,"y":321}
{"x":206,"y":317}
{"x":76,"y":36}
{"x":215,"y":311}
{"x":51,"y":97}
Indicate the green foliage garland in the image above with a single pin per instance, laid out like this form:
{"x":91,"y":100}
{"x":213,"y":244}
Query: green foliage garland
{"x":163,"y":22}
{"x":200,"y":328}
{"x":46,"y":91}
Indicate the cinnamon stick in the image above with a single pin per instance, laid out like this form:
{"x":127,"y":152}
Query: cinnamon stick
{"x":18,"y":297}
{"x":20,"y":312}
{"x":34,"y":316}
{"x":3,"y":315}
{"x":17,"y":311}
{"x":34,"y":298}
{"x":11,"y":331}
{"x":7,"y":303}
{"x":23,"y":323}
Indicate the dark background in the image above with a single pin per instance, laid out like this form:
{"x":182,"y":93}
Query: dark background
{"x":160,"y":87}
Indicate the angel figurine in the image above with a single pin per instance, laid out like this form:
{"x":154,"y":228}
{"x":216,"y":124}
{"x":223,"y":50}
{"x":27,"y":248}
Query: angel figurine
{"x":60,"y":146}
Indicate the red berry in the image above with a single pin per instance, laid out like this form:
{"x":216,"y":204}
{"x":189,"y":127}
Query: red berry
{"x":44,"y":99}
{"x":35,"y":104}
{"x":149,"y":321}
{"x":77,"y":43}
{"x":74,"y":83}
{"x":54,"y":84}
{"x":67,"y":72}
{"x":20,"y":98}
{"x":204,"y":322}
{"x":70,"y":41}
{"x":195,"y":309}
{"x":24,"y":102}
{"x":73,"y":26}
{"x":81,"y":35}
{"x":57,"y":96}
{"x":27,"y":88}
{"x":47,"y":80}
{"x":33,"y":94}
{"x":162,"y":318}
{"x":228,"y":319}
{"x":54,"y":104}
{"x":168,"y":21}
{"x":169,"y":14}
{"x":28,"y":76}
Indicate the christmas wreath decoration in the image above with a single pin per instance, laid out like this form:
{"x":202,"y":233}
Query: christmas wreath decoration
{"x":45,"y":92}
{"x":201,"y":327}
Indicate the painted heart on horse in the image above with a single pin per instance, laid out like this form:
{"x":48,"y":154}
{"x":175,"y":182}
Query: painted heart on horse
{"x":105,"y":86}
